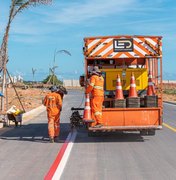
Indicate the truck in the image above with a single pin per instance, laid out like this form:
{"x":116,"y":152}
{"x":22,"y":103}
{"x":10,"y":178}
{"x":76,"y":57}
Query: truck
{"x":124,"y":55}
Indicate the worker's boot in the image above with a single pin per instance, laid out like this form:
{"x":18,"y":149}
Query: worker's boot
{"x":56,"y":138}
{"x":51,"y":140}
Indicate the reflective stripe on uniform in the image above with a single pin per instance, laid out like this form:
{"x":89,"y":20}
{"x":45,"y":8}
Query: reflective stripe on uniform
{"x":97,"y":113}
{"x":91,"y":84}
{"x":98,"y":87}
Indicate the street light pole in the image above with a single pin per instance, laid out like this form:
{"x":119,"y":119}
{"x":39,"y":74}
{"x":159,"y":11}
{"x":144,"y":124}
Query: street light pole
{"x":54,"y":60}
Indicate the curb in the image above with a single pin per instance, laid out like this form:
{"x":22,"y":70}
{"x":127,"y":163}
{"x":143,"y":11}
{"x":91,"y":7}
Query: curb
{"x":169,"y":102}
{"x":1,"y":125}
{"x":34,"y":112}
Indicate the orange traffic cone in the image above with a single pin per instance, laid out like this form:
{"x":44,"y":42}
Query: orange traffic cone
{"x":87,"y":110}
{"x":119,"y":92}
{"x":150,"y":88}
{"x":133,"y":91}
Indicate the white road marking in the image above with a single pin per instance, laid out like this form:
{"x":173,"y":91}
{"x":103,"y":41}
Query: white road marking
{"x":71,"y":138}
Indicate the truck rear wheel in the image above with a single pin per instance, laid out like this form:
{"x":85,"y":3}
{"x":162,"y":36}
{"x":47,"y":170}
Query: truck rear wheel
{"x":91,"y":133}
{"x":143,"y":132}
{"x":94,"y":133}
{"x":151,"y":132}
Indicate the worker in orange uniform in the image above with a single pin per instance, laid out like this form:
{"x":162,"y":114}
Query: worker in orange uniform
{"x":96,"y":88}
{"x":53,"y":103}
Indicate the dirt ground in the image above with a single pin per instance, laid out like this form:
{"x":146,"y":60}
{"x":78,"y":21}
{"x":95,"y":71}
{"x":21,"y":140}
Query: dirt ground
{"x":32,"y":97}
{"x":169,"y":87}
{"x":169,"y":97}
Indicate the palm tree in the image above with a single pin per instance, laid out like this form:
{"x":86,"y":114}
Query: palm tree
{"x":16,"y":7}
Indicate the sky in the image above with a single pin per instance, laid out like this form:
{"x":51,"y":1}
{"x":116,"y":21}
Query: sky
{"x":37,"y":32}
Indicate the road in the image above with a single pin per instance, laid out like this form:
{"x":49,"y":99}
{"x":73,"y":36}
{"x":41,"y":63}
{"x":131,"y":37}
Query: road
{"x":25,"y":152}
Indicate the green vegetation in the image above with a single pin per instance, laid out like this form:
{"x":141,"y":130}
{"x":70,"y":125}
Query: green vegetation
{"x":169,"y":91}
{"x":52,"y":79}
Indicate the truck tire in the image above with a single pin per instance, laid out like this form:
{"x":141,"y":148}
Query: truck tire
{"x":143,"y":132}
{"x":91,"y":134}
{"x":151,"y":132}
{"x":94,"y":134}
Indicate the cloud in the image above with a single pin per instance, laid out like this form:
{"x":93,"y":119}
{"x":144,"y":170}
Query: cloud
{"x":28,"y":26}
{"x":88,"y":12}
{"x":27,"y":22}
{"x":76,"y":12}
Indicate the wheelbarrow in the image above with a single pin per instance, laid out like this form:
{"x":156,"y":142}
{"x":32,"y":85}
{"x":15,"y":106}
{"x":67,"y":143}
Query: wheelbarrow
{"x":15,"y":118}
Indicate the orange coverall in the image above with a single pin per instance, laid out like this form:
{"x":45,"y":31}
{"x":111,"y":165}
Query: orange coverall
{"x":95,"y":87}
{"x":53,"y":103}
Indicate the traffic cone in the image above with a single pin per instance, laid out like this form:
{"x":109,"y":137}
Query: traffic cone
{"x":150,"y":88}
{"x":133,"y":91}
{"x":119,"y":92}
{"x":87,"y":111}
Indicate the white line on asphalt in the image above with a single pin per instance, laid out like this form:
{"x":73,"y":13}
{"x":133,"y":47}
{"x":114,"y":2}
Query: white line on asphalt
{"x":65,"y":157}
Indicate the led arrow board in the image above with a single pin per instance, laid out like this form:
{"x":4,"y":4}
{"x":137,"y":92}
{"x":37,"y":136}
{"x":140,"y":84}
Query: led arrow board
{"x":123,"y":45}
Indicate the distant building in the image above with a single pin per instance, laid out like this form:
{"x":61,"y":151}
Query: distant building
{"x":71,"y":83}
{"x":19,"y":78}
{"x":14,"y":79}
{"x":169,"y":81}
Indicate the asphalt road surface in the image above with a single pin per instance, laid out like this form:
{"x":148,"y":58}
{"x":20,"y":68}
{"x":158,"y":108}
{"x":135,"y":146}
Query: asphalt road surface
{"x":25,"y":152}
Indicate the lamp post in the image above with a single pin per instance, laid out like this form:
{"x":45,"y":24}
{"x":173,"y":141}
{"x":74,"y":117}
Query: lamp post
{"x":54,"y":60}
{"x":33,"y":73}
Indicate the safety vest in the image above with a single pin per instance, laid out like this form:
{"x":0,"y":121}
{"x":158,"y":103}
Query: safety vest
{"x":96,"y":86}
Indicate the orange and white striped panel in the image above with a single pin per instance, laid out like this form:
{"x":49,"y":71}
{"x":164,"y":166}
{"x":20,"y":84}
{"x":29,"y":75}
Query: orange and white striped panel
{"x":140,"y":47}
